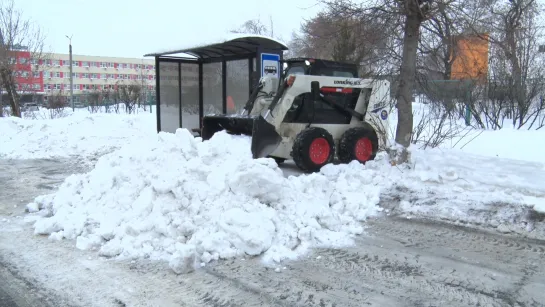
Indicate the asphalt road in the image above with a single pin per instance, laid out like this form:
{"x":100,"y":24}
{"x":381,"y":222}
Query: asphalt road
{"x":6,"y":300}
{"x":397,"y":262}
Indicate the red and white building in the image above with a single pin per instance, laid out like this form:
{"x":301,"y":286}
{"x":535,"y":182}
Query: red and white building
{"x":51,"y":75}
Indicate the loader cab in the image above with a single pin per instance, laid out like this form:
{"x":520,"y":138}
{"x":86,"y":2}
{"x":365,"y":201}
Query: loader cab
{"x":319,"y":67}
{"x":321,"y":112}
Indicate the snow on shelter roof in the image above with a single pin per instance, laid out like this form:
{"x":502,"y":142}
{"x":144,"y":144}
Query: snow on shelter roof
{"x":232,"y":44}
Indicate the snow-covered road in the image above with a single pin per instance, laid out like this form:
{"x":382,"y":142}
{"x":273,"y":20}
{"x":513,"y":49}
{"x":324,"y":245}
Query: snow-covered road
{"x":396,"y":262}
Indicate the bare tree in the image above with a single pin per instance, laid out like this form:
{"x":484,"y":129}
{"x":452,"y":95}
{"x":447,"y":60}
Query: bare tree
{"x":516,"y":83}
{"x":56,"y":104}
{"x":342,"y":35}
{"x":96,"y":100}
{"x":407,"y":16}
{"x":253,"y":26}
{"x":128,"y":94}
{"x":15,"y":31}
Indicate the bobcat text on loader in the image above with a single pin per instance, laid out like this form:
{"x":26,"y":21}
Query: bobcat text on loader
{"x":317,"y":111}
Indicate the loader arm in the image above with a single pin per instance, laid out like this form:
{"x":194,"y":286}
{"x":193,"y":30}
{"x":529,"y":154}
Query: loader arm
{"x":279,"y":94}
{"x":251,"y":101}
{"x":341,"y":108}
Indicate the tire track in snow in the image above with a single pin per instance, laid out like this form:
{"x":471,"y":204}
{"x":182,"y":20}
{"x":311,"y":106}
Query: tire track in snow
{"x":398,"y":262}
{"x":60,"y":268}
{"x":508,"y":269}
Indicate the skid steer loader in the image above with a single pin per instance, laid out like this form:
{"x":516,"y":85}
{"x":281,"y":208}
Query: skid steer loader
{"x":311,"y":115}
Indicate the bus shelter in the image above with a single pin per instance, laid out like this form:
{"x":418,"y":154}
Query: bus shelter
{"x":214,"y":78}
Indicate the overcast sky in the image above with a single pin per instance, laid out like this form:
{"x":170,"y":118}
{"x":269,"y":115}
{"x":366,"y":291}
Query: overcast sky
{"x":132,"y":28}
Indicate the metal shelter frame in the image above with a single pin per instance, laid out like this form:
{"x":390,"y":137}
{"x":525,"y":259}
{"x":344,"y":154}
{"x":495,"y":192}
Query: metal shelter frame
{"x":238,"y":47}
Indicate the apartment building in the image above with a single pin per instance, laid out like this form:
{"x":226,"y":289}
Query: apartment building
{"x":39,"y":78}
{"x":94,"y":72}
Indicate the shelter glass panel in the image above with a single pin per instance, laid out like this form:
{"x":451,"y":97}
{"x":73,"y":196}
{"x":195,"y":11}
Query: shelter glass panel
{"x":169,"y":96}
{"x":190,"y":96}
{"x":238,"y":90}
{"x":212,"y":88}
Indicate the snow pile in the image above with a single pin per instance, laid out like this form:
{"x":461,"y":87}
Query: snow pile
{"x":463,"y":188}
{"x":178,"y":199}
{"x":80,"y":134}
{"x":509,"y":143}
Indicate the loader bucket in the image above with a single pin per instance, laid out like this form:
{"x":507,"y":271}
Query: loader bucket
{"x":265,"y":139}
{"x":234,"y":125}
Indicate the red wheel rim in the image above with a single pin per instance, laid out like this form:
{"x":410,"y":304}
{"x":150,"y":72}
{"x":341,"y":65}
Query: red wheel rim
{"x":363,"y":150}
{"x":319,"y":151}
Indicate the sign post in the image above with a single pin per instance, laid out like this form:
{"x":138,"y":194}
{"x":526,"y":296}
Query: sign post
{"x":270,"y":65}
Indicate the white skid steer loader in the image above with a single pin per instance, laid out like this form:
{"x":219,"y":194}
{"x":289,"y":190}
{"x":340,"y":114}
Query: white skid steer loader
{"x":311,"y":119}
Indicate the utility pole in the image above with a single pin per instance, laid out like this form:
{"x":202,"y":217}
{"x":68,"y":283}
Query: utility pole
{"x":71,"y":75}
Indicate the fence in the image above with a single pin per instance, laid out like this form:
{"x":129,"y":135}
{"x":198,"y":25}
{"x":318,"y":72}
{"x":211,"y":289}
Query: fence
{"x":90,"y":100}
{"x":453,"y":95}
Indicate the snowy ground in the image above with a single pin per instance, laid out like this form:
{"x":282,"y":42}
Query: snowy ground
{"x":172,"y":197}
{"x":397,"y":262}
{"x":508,"y":143}
{"x":80,"y":134}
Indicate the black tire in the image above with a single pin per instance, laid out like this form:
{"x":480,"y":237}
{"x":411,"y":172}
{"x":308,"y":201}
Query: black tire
{"x":302,"y":146}
{"x":368,"y":139}
{"x":278,"y":160}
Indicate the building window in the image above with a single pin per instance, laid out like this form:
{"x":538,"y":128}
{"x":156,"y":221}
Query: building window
{"x":56,"y":63}
{"x":93,"y":76}
{"x":36,"y":86}
{"x":125,"y":65}
{"x":85,"y":64}
{"x":23,"y":60}
{"x":57,"y":86}
{"x":36,"y":74}
{"x":111,"y":65}
{"x":103,"y":76}
{"x":85,"y":75}
{"x":103,"y":64}
{"x":57,"y":74}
